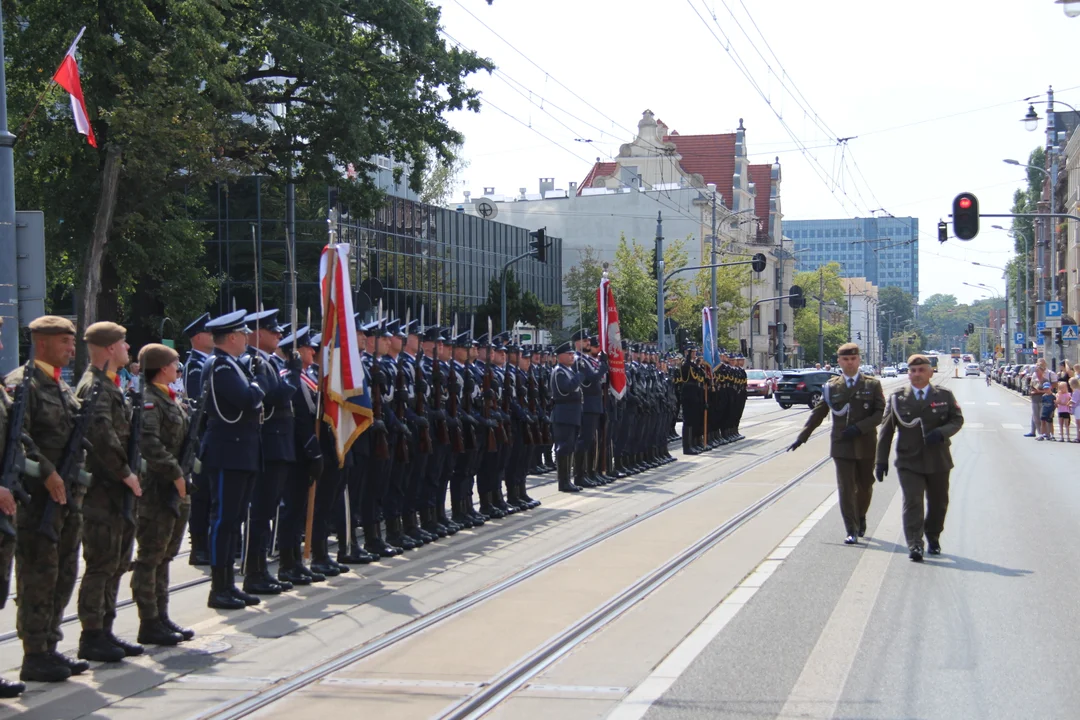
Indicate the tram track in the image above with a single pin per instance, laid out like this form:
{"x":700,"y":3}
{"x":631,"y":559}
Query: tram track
{"x":513,"y":678}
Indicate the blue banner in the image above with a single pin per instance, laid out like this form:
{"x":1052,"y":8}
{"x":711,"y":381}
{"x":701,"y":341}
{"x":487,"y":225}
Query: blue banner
{"x":708,"y":337}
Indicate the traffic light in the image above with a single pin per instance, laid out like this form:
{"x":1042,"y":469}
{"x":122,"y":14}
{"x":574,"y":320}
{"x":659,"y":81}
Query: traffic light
{"x":758,"y":263}
{"x":965,"y":209}
{"x":1057,"y":337}
{"x":538,"y":244}
{"x":796,"y":299}
{"x":942,"y":231}
{"x":971,"y":329}
{"x":858,"y":334}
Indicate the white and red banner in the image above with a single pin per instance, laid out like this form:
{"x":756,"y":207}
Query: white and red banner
{"x":346,"y":399}
{"x":67,"y":77}
{"x":611,"y":337}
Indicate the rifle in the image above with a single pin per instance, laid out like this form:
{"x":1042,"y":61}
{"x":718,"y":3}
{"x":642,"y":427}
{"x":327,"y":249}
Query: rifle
{"x":456,"y":430}
{"x":401,"y":452}
{"x":508,"y":387}
{"x":532,"y":392}
{"x":489,"y":401}
{"x":68,"y":468}
{"x":442,"y":432}
{"x":190,"y":447}
{"x":134,"y":452}
{"x":14,"y":461}
{"x":545,"y":418}
{"x":527,"y":434}
{"x":423,"y":439}
{"x":466,"y":422}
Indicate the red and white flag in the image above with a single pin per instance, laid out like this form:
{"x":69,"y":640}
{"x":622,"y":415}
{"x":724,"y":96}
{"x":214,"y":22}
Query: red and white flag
{"x":346,"y":399}
{"x":67,"y":77}
{"x":611,"y":337}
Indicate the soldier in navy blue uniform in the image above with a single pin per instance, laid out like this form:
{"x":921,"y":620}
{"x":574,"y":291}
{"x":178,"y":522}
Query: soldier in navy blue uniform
{"x":279,"y":381}
{"x":432,"y":497}
{"x":566,"y":414}
{"x":202,"y":344}
{"x":230,"y":452}
{"x":468,"y":380}
{"x":308,"y":465}
{"x":591,"y":373}
{"x":383,"y":433}
{"x":420,"y":445}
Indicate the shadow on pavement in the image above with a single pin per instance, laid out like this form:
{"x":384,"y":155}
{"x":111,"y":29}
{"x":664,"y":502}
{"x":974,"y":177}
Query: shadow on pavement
{"x":953,"y":562}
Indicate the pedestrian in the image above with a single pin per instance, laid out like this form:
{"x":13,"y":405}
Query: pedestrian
{"x":1048,"y":402}
{"x":923,"y":417}
{"x":45,"y":568}
{"x":1074,"y":403}
{"x":165,"y":506}
{"x":1038,"y":378}
{"x":1064,"y":412}
{"x":857,"y":405}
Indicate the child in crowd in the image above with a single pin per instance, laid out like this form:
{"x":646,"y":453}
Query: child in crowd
{"x":1074,"y":384}
{"x":1049,"y":400}
{"x":1064,"y":404}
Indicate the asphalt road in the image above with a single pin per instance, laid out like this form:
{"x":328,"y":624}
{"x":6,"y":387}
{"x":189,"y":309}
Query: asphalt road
{"x":988,"y":630}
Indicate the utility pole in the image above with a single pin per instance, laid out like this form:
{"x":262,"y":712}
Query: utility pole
{"x":9,"y":276}
{"x":712,"y":189}
{"x":821,"y":316}
{"x":660,"y":281}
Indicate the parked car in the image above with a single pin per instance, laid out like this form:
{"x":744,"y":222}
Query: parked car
{"x":759,"y":384}
{"x":888,"y":371}
{"x":801,"y":387}
{"x":868,"y":370}
{"x":972,"y":368}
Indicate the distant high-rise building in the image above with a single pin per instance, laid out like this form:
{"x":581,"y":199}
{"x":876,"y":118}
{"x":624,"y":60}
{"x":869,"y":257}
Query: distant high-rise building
{"x":884,"y":250}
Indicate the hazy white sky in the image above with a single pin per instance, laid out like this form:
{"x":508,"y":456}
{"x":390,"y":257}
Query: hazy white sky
{"x":932,"y":92}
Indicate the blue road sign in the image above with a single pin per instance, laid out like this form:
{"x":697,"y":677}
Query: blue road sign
{"x":1026,"y":351}
{"x":1041,"y":340}
{"x":1068,"y":333}
{"x":1053,"y":309}
{"x":1040,"y":326}
{"x":1019,"y":338}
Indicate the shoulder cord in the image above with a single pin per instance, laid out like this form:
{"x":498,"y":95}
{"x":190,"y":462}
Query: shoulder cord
{"x":556,"y":384}
{"x":828,"y":402}
{"x":896,"y":416}
{"x":213,"y":391}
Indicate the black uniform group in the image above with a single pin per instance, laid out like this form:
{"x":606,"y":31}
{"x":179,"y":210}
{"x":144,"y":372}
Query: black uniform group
{"x":448,"y":412}
{"x":713,"y":400}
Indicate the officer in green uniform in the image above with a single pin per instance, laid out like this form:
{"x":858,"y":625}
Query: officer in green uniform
{"x":165,"y":507}
{"x":924,"y":417}
{"x":108,"y":537}
{"x":8,"y":689}
{"x":857,"y":404}
{"x":45,"y":571}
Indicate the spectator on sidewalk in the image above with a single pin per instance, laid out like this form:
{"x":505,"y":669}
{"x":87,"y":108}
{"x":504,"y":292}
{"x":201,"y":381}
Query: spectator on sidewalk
{"x":1074,"y":386}
{"x":1046,"y":429}
{"x":1064,"y":412}
{"x":1039,"y":377}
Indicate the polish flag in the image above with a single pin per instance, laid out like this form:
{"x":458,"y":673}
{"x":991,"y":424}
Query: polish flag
{"x":67,"y":77}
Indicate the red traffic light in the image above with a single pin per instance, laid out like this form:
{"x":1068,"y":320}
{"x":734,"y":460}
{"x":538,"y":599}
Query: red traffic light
{"x":965,"y":203}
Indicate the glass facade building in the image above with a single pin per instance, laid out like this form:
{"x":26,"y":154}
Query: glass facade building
{"x":421,"y":255}
{"x":883,"y":250}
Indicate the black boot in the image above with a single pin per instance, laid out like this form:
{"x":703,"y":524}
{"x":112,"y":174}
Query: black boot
{"x":199,"y":555}
{"x":441,"y":518}
{"x":487,"y":509}
{"x":580,"y":479}
{"x":287,"y":569}
{"x":351,"y":552}
{"x":430,"y":524}
{"x":257,"y":580}
{"x":95,"y":645}
{"x":10,"y":688}
{"x":523,"y":493}
{"x":43,"y":667}
{"x":460,"y":516}
{"x":130,"y":649}
{"x":298,"y":553}
{"x":412,"y":529}
{"x":230,"y":585}
{"x":154,"y":632}
{"x":499,"y":501}
{"x":183,"y":632}
{"x":374,"y":543}
{"x":478,"y":517}
{"x":395,"y":534}
{"x":320,"y":556}
{"x":221,"y":596}
{"x":562,"y":467}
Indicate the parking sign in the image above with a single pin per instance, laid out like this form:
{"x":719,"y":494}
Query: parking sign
{"x":1053,"y":309}
{"x":1019,"y":338}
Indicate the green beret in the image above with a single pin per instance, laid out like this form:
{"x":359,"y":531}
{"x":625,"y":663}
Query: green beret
{"x":848,"y":349}
{"x":52,"y":325}
{"x":155,"y":356}
{"x":104,"y":334}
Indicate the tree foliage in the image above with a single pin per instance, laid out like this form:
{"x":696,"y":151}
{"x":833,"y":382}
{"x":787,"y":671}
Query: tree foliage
{"x":193,"y":93}
{"x":826,"y":278}
{"x":520,"y":307}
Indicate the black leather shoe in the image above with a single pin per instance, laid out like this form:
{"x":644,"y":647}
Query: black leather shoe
{"x":10,"y":688}
{"x":933,"y":547}
{"x":43,"y":667}
{"x":154,"y":632}
{"x":95,"y":645}
{"x":915,"y":554}
{"x":862,"y":527}
{"x":130,"y":649}
{"x":261,"y":584}
{"x":222,"y":599}
{"x":246,"y":598}
{"x":851,"y":540}
{"x":76,"y":667}
{"x":183,"y":632}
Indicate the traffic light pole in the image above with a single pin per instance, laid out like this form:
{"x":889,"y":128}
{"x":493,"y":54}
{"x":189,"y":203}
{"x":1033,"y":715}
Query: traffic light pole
{"x":779,"y":334}
{"x":9,"y":282}
{"x":502,"y":289}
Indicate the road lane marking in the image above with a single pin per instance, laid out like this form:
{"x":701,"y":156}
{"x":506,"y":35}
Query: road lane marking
{"x":1012,"y":426}
{"x":816,"y":694}
{"x":637,"y":703}
{"x":993,"y":403}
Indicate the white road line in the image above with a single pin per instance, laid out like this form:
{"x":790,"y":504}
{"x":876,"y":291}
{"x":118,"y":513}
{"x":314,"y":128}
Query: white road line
{"x":973,"y":426}
{"x":636,"y":704}
{"x":816,"y":693}
{"x":1012,"y":426}
{"x":993,"y":403}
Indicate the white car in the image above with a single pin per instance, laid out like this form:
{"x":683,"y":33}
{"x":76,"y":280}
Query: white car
{"x":972,"y":369}
{"x":889,"y":372}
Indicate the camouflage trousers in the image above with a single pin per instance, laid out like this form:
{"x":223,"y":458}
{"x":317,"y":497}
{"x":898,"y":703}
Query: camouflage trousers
{"x":44,"y":574}
{"x":7,"y":557}
{"x":159,"y":534}
{"x":108,"y":543}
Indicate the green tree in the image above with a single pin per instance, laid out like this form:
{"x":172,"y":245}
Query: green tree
{"x":580,"y":284}
{"x":896,"y":304}
{"x":520,"y":307}
{"x":826,"y":278}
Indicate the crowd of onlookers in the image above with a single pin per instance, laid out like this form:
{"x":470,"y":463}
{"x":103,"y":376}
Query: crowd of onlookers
{"x":1055,"y":397}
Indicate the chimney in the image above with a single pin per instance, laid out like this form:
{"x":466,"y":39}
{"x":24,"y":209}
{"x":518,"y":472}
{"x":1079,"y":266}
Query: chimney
{"x":521,"y":194}
{"x":468,"y":194}
{"x":546,"y":185}
{"x":573,"y":189}
{"x":489,"y":191}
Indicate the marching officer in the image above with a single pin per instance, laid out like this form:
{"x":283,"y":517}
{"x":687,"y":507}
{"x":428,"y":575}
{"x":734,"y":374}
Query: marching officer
{"x":230,"y":452}
{"x":164,"y":506}
{"x":45,"y":569}
{"x":202,"y":345}
{"x":857,"y":404}
{"x":924,"y":417}
{"x":566,"y":414}
{"x":108,"y":536}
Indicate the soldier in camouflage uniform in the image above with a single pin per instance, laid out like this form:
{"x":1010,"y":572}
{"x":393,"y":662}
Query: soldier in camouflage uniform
{"x":8,"y":689}
{"x":108,"y":537}
{"x":45,"y":570}
{"x":165,"y":505}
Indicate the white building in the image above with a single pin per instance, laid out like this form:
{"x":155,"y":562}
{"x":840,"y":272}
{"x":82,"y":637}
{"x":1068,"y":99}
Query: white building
{"x":862,"y":297}
{"x":686,"y":179}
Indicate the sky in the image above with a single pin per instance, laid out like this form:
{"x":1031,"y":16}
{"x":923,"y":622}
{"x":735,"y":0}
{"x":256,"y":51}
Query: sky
{"x":931,"y":93}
